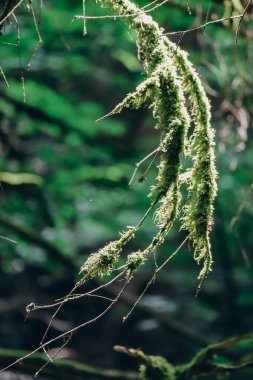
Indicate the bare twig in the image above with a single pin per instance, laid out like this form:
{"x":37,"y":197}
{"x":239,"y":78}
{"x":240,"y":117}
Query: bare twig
{"x":242,"y":206}
{"x":6,"y":238}
{"x":71,"y":331}
{"x":155,"y":152}
{"x":65,"y":369}
{"x":241,"y":19}
{"x":35,"y":22}
{"x":203,"y":26}
{"x":40,"y":40}
{"x":50,"y":358}
{"x":11,"y":12}
{"x":81,"y":17}
{"x":19,"y":58}
{"x":54,"y":315}
{"x":68,"y":298}
{"x":77,"y":296}
{"x":153,"y":278}
{"x":207,"y":15}
{"x":4,"y":77}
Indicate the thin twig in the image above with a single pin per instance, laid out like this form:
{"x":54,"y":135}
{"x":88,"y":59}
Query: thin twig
{"x":203,"y":25}
{"x":79,"y":17}
{"x":8,"y":239}
{"x":19,"y":57}
{"x":76,"y":296}
{"x":141,"y":162}
{"x":3,"y":75}
{"x":148,"y":211}
{"x":241,"y":208}
{"x":207,"y":15}
{"x":154,"y":277}
{"x":50,"y":358}
{"x":73,"y":330}
{"x":240,"y":21}
{"x":54,"y":315}
{"x":40,"y":40}
{"x":149,"y":4}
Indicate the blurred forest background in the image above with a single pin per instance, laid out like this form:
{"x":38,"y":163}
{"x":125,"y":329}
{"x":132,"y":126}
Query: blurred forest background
{"x":64,"y":183}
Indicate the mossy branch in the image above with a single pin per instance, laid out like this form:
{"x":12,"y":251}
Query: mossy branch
{"x":170,"y":77}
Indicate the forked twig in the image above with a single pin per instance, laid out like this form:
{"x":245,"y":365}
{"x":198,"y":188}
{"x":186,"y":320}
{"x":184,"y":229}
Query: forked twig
{"x":137,"y":166}
{"x":72,"y":331}
{"x":35,"y":22}
{"x":50,"y":358}
{"x":240,"y":21}
{"x":142,"y":11}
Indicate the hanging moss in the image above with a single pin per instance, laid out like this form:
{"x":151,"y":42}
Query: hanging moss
{"x":6,"y":11}
{"x":197,"y":217}
{"x":170,"y":78}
